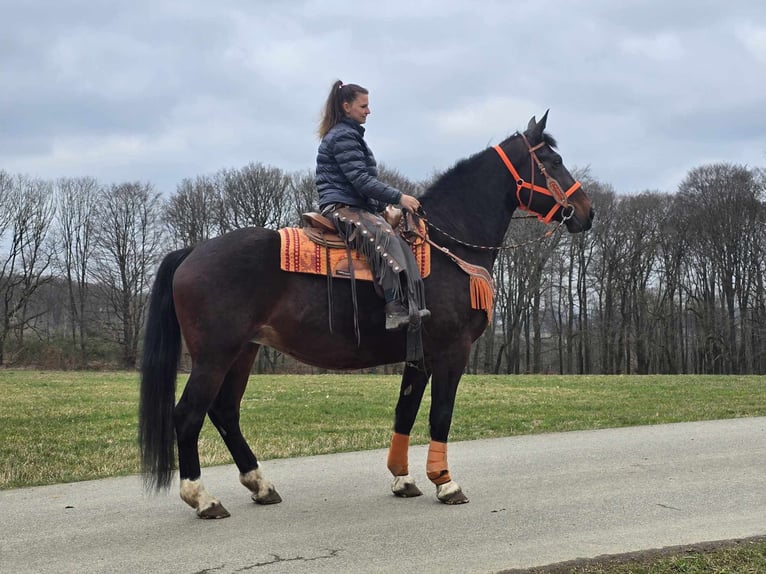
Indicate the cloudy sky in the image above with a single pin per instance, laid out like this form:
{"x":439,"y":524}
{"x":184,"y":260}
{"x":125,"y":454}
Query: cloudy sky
{"x":161,"y":90}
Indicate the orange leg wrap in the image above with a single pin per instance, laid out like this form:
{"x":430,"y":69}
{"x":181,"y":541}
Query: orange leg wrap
{"x":397,"y":454}
{"x":436,"y":466}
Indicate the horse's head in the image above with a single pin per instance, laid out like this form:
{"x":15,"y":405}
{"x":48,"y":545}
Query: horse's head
{"x":544,"y":185}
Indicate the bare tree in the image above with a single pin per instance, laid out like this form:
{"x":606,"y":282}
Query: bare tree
{"x":129,"y":241}
{"x":303,"y":194}
{"x":77,"y":198}
{"x":28,"y":209}
{"x":7,"y":264}
{"x":672,"y":253}
{"x":580,"y":257}
{"x":193,"y":211}
{"x":757,"y":271}
{"x":641,"y":216}
{"x":724,"y":201}
{"x":255,"y":195}
{"x":519,"y":276}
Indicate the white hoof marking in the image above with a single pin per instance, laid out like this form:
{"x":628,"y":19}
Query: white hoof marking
{"x":400,"y":483}
{"x":194,"y":494}
{"x":254,"y":481}
{"x":446,"y":490}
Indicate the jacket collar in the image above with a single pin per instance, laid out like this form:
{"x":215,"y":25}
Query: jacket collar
{"x":354,"y":124}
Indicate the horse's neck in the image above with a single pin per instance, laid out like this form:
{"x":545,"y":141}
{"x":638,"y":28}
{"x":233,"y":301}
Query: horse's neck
{"x":471,"y":204}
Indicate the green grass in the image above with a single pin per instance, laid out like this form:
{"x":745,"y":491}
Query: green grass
{"x":69,"y":426}
{"x":735,"y":557}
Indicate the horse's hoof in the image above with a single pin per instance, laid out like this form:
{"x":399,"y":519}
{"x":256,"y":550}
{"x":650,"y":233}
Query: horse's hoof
{"x":404,"y":487}
{"x":450,"y":493}
{"x":214,"y":511}
{"x":409,"y":491}
{"x":457,"y":498}
{"x":271,"y":497}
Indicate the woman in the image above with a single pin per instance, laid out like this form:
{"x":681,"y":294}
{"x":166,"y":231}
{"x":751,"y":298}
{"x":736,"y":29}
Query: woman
{"x":352,"y":196}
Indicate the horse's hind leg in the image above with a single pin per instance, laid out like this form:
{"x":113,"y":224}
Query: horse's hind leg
{"x":414,"y":382}
{"x":225,"y":414}
{"x":189,"y":415}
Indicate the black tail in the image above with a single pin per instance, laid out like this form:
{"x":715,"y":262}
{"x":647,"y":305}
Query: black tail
{"x":162,"y":350}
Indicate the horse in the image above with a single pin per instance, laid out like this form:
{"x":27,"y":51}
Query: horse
{"x":227,"y":296}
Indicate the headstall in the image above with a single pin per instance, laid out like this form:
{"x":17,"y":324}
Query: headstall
{"x":553,"y":187}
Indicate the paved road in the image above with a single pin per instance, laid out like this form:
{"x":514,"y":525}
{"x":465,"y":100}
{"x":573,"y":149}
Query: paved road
{"x":535,"y":500}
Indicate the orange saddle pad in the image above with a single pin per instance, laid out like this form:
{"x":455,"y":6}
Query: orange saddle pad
{"x":299,"y":254}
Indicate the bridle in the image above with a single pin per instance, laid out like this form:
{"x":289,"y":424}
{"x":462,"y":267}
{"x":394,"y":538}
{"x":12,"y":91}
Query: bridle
{"x":553,"y":190}
{"x":553,"y":187}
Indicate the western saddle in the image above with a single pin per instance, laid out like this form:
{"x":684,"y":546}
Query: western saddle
{"x":321,"y":230}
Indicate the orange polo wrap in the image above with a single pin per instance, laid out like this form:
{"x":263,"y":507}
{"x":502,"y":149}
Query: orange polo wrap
{"x":436,"y":466}
{"x":397,"y":454}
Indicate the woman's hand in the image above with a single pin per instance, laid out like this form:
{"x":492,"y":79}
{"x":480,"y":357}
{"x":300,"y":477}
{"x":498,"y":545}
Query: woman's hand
{"x":410,"y":203}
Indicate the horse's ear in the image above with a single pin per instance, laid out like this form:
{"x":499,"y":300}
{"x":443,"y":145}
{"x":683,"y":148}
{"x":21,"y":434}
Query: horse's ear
{"x":543,"y":121}
{"x":535,"y":129}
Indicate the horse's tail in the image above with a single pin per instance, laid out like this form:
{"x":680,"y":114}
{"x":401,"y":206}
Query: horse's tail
{"x":162,"y":350}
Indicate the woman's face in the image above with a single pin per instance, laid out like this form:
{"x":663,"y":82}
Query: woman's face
{"x":359,"y":109}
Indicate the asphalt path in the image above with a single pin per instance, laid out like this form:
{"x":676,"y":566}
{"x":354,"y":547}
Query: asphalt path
{"x":535,"y":500}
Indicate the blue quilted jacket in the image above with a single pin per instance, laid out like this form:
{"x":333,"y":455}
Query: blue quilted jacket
{"x":347,"y":173}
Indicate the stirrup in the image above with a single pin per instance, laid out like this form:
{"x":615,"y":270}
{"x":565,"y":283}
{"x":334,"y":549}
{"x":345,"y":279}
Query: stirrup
{"x":395,"y":321}
{"x":397,"y":316}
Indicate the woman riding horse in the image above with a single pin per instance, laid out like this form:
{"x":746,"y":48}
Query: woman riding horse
{"x":352,"y":196}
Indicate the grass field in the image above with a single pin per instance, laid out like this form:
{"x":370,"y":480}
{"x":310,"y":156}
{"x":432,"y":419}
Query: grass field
{"x":69,"y":426}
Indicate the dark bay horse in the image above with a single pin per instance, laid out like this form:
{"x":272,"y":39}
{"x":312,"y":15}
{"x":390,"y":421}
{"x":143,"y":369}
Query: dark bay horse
{"x":227,"y":296}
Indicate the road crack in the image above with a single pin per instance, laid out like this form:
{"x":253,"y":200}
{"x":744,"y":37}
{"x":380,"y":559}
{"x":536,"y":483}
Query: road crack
{"x":276,"y":559}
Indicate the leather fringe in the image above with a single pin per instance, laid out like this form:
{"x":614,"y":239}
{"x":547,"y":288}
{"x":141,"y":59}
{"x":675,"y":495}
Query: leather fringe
{"x":482,"y":295}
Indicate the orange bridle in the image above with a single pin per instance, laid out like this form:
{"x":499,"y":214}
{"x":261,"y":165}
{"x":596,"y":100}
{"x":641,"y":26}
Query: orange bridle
{"x":553,"y":187}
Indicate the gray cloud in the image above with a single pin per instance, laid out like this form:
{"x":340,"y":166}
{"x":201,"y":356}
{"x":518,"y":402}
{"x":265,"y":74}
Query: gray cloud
{"x":641,"y":91}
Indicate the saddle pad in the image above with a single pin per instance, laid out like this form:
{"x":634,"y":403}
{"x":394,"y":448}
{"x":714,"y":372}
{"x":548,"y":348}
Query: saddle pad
{"x":299,"y":254}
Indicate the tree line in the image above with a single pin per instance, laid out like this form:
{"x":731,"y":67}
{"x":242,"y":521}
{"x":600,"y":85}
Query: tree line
{"x":663,"y":283}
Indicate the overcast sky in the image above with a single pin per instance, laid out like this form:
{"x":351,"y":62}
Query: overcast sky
{"x":161,"y":90}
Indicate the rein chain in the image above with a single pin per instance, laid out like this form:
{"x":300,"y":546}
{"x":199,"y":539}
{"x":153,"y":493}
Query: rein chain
{"x":512,"y":246}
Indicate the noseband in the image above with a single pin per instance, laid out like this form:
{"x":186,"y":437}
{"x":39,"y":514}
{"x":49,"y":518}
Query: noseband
{"x":553,"y":187}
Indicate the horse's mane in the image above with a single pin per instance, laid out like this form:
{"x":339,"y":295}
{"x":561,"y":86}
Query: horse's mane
{"x":455,"y":173}
{"x":464,"y":167}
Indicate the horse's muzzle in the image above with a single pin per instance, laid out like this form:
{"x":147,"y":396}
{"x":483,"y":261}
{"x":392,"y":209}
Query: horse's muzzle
{"x":577,"y":223}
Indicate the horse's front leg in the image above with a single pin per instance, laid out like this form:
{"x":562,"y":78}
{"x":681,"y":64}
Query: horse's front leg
{"x":414,"y":383}
{"x":446,"y":377}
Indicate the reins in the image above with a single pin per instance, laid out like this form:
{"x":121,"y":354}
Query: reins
{"x":543,"y":237}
